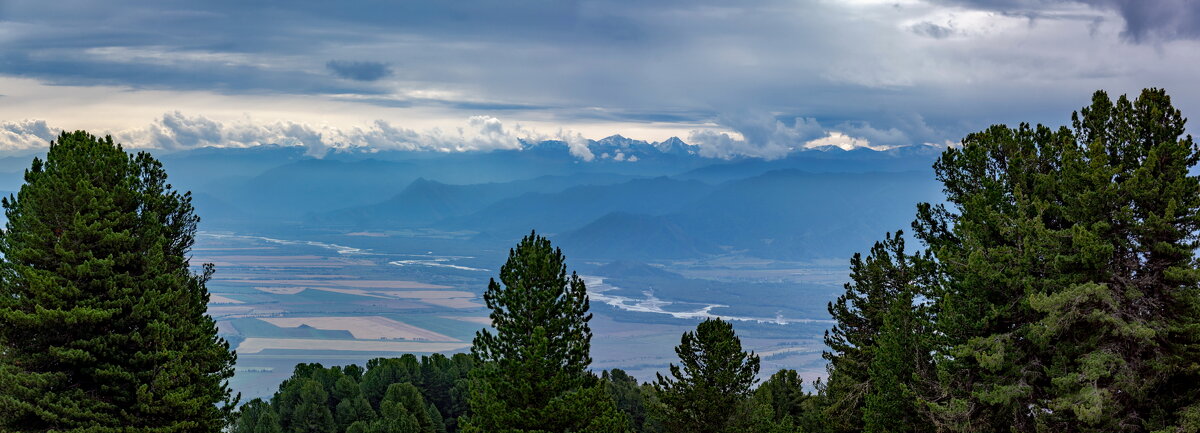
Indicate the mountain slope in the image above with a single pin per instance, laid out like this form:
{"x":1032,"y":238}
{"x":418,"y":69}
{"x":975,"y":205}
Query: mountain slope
{"x":785,"y":214}
{"x":426,"y":201}
{"x":634,"y":236}
{"x":572,"y":208}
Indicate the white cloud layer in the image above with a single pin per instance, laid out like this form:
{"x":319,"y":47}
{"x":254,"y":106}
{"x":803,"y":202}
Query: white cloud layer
{"x":175,"y":131}
{"x":842,"y":141}
{"x":765,"y":137}
{"x":890,"y":72}
{"x":26,"y":135}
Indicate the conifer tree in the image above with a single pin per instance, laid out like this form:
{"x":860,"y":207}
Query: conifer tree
{"x":899,"y":370}
{"x":627,"y":395}
{"x":784,"y":394}
{"x":351,"y":410}
{"x":534,"y":376}
{"x":102,"y":322}
{"x":249,"y":415}
{"x":383,"y":372}
{"x":404,"y":405}
{"x":303,"y":407}
{"x":267,"y":423}
{"x":713,"y":378}
{"x":1070,"y":297}
{"x":883,"y":282}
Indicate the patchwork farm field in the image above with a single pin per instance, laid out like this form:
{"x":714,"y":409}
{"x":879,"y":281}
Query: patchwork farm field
{"x":280,"y":302}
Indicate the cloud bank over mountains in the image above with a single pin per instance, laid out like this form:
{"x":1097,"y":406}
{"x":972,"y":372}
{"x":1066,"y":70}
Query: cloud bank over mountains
{"x":176,"y":131}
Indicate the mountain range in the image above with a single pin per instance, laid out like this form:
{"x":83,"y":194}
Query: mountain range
{"x":631,"y":199}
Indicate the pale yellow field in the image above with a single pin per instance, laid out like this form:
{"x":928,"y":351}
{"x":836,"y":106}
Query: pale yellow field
{"x":218,"y":299}
{"x":362,"y":327}
{"x":282,"y":290}
{"x":233,"y":311}
{"x":359,"y":292}
{"x":358,"y":284}
{"x":471,"y":319}
{"x":453,"y":302}
{"x":255,"y":345}
{"x":429,"y":294}
{"x":447,"y":297}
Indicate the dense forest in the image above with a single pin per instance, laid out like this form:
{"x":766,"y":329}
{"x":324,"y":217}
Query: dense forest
{"x":1055,"y":289}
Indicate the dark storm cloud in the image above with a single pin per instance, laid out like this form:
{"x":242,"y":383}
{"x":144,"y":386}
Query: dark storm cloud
{"x":1145,"y":20}
{"x":66,"y":69}
{"x":892,"y":73}
{"x":1165,"y":19}
{"x":188,"y":44}
{"x":360,"y":71}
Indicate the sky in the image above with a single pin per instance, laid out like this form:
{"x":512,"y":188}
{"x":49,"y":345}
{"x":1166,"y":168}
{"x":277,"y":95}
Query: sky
{"x":754,"y":78}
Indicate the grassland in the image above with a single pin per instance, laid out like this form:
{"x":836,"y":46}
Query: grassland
{"x":255,"y":345}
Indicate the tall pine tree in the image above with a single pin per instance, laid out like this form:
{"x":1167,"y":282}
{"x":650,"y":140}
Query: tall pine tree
{"x":1070,"y":298}
{"x":534,"y":376}
{"x":712,"y":380}
{"x":102,"y":322}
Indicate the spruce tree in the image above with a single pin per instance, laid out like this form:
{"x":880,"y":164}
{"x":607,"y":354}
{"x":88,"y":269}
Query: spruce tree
{"x":534,"y":376}
{"x":714,"y":377}
{"x":102,"y":321}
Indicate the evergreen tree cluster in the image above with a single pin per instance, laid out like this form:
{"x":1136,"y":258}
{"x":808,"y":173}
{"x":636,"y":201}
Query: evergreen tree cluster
{"x":392,"y":395}
{"x":1058,"y":290}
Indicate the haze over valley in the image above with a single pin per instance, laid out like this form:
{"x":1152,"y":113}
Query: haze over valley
{"x":358,"y":255}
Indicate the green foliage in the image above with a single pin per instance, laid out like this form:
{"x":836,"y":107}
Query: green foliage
{"x":248,"y":416}
{"x":403,"y":405}
{"x":780,"y":404}
{"x":383,"y":372}
{"x":713,"y":378}
{"x":303,"y":407}
{"x":627,"y":395}
{"x":352,"y":410}
{"x":1069,"y":299}
{"x":410,"y":403}
{"x":875,"y":345}
{"x":784,"y":394}
{"x":267,"y":423}
{"x":534,"y":375}
{"x":897,"y":371}
{"x":102,"y":323}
